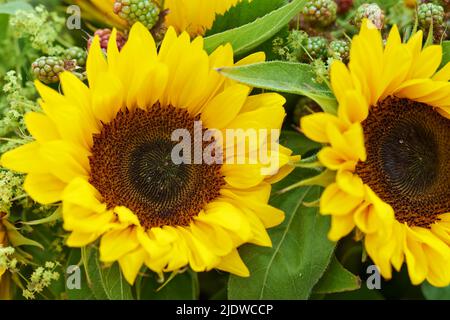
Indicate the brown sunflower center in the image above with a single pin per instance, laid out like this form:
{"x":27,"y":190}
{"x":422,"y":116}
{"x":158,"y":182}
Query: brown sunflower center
{"x":131,"y":166}
{"x":408,"y":159}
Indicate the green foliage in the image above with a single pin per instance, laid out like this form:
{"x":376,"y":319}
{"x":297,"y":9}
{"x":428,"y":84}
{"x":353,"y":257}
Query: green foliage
{"x":337,"y":279}
{"x":286,"y":77}
{"x":446,"y":53}
{"x":249,"y":36}
{"x":14,"y":6}
{"x":433,"y":293}
{"x":300,"y":255}
{"x":244,"y":12}
{"x":105,"y":282}
{"x":183,"y":286}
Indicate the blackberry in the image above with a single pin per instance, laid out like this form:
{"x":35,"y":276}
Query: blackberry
{"x":316,"y":48}
{"x":339,"y":50}
{"x":76,"y":53}
{"x":47,"y":69}
{"x":145,"y":11}
{"x":320,"y":12}
{"x":104,"y":35}
{"x":372,"y":12}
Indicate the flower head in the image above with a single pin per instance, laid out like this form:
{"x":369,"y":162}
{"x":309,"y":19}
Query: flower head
{"x":389,"y":147}
{"x":107,"y":152}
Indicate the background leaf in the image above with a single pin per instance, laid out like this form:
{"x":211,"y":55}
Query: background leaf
{"x":445,"y":52}
{"x":14,"y":6}
{"x":337,"y":279}
{"x":433,"y":293}
{"x":289,"y":77}
{"x":85,"y":292}
{"x":301,"y":251}
{"x":249,"y":36}
{"x":106,"y":283}
{"x":244,"y":12}
{"x":183,"y":287}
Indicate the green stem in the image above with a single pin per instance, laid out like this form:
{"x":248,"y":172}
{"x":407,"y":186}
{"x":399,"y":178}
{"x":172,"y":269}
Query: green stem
{"x":323,"y":180}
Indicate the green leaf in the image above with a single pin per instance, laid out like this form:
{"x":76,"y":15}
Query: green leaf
{"x":300,"y":254}
{"x":297,"y":142}
{"x":289,"y":77}
{"x":106,"y":283}
{"x":337,"y":279}
{"x":14,"y":6}
{"x":85,"y":292}
{"x":183,"y":286}
{"x":56,"y":215}
{"x":433,"y":293}
{"x":249,"y":36}
{"x":445,"y":53}
{"x":244,"y":12}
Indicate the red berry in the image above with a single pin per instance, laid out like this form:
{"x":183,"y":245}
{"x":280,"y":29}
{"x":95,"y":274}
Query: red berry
{"x":104,"y":35}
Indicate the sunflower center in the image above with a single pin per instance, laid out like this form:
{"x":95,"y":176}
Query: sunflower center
{"x":131,"y":166}
{"x":408,"y":159}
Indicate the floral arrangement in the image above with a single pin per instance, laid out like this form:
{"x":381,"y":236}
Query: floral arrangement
{"x":224,"y":149}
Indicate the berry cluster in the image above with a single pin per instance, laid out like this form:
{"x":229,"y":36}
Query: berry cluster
{"x":145,"y":11}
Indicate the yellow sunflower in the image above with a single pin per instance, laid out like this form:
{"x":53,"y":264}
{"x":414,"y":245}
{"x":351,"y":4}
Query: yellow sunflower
{"x":105,"y":152}
{"x":389,"y":146}
{"x":193,"y":16}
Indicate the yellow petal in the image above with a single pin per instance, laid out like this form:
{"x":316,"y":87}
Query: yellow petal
{"x":314,"y":126}
{"x":443,"y":74}
{"x":25,"y":159}
{"x":340,"y":227}
{"x":96,"y":62}
{"x":253,"y":58}
{"x":341,"y":81}
{"x":233,"y":263}
{"x":427,"y":63}
{"x":223,"y":108}
{"x":107,"y":97}
{"x":117,"y":243}
{"x":78,"y":239}
{"x":131,"y":263}
{"x":337,"y":202}
{"x":44,"y":188}
{"x":65,"y":160}
{"x":41,"y":127}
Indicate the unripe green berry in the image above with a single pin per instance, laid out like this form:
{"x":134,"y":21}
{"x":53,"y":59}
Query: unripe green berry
{"x":47,"y":69}
{"x":316,"y":48}
{"x":339,"y":50}
{"x":430,"y":14}
{"x":145,"y":11}
{"x":76,"y":53}
{"x":320,"y":12}
{"x":372,"y":12}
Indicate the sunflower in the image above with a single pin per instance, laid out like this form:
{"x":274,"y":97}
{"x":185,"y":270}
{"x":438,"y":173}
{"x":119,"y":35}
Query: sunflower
{"x":105,"y":152}
{"x":389,"y":147}
{"x":193,"y":16}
